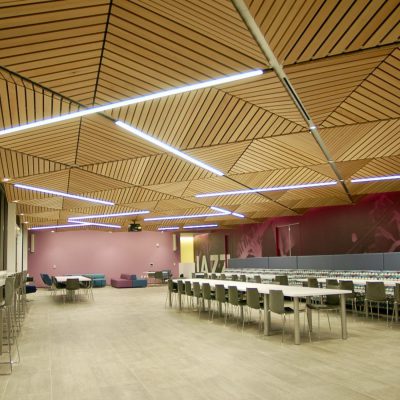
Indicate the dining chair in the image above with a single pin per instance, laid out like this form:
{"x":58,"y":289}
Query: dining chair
{"x":197,"y":294}
{"x":257,"y":278}
{"x":72,"y":286}
{"x":207,"y":295}
{"x":6,"y":308}
{"x":234,"y":277}
{"x":236,"y":302}
{"x":243,"y":278}
{"x":277,"y":306}
{"x":332,"y":303}
{"x":46,"y":280}
{"x":331,"y":282}
{"x":213,"y":276}
{"x":172,"y":290}
{"x":396,"y":301}
{"x":253,"y":302}
{"x":222,"y":277}
{"x":189,"y":293}
{"x":220,"y":299}
{"x":281,"y":280}
{"x":375,"y":293}
{"x":349,"y":285}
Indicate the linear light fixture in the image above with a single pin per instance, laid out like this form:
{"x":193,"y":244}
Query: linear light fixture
{"x":38,"y":228}
{"x":56,"y":193}
{"x":375,"y":178}
{"x":96,"y":224}
{"x":168,"y":148}
{"x":270,"y":189}
{"x":200,"y":226}
{"x":168,"y":228}
{"x":72,"y":219}
{"x":220,"y":212}
{"x":135,"y":100}
{"x":238,"y":215}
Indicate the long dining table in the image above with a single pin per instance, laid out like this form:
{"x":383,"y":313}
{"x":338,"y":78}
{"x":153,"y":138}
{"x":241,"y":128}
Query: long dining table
{"x":295,"y":292}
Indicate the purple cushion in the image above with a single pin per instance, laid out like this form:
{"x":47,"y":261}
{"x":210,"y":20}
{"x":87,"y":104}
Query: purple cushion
{"x":128,"y":276}
{"x":121,"y":283}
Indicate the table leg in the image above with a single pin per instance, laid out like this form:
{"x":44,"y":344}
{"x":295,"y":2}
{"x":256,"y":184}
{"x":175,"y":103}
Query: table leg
{"x":396,"y":307}
{"x":309,"y":314}
{"x":343,"y":315}
{"x":180,"y":301}
{"x":170,"y":298}
{"x":296,"y":321}
{"x":219,"y":309}
{"x":267,"y":316}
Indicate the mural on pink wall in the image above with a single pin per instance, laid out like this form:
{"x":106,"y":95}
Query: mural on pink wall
{"x":371,"y":225}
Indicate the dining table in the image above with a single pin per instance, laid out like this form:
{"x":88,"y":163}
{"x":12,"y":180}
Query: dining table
{"x":295,"y":292}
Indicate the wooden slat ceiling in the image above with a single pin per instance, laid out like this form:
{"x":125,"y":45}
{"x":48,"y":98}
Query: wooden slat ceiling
{"x":57,"y":57}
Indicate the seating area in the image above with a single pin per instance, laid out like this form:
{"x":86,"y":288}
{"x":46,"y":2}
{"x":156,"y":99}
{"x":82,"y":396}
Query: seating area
{"x":128,"y":281}
{"x":99,"y":280}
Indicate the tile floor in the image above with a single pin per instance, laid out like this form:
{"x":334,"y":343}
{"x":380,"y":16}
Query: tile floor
{"x":126,"y":345}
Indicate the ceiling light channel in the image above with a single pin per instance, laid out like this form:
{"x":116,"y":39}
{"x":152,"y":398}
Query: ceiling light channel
{"x":200,"y":226}
{"x":124,"y":214}
{"x":375,"y":178}
{"x":135,"y":100}
{"x":167,"y":147}
{"x":168,"y":228}
{"x":62,"y":194}
{"x":270,"y":189}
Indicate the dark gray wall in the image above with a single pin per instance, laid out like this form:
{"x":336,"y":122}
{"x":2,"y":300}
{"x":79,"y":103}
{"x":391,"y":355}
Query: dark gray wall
{"x":364,"y":261}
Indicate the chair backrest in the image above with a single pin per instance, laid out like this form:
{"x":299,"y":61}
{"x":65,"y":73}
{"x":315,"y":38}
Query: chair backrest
{"x":257,"y":278}
{"x":170,"y":285}
{"x":253,"y":298}
{"x":312,"y":282}
{"x":9,"y":290}
{"x":233,"y":295}
{"x":331,"y":282}
{"x":222,"y":277}
{"x":397,"y":293}
{"x":188,"y":288}
{"x":282,"y":279}
{"x":332,"y":299}
{"x":220,"y":293}
{"x":375,"y":291}
{"x":234,"y":277}
{"x":181,"y":287}
{"x":243,"y":278}
{"x":159,"y":275}
{"x":213,"y":276}
{"x":347,"y":285}
{"x":206,"y":289}
{"x":72,"y":284}
{"x":205,"y":275}
{"x":196,"y":289}
{"x":276,"y":301}
{"x":46,"y":279}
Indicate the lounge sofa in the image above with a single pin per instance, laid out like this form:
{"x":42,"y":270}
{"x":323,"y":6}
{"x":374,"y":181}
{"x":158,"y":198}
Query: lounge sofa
{"x":99,"y":280}
{"x":128,"y":281}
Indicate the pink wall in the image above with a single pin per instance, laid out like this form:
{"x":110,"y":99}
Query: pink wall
{"x":101,"y":252}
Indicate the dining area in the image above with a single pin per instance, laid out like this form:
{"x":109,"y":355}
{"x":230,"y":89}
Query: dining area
{"x":238,"y":298}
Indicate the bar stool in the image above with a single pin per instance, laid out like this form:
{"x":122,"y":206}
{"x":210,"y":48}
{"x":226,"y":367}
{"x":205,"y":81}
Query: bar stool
{"x":6,"y":308}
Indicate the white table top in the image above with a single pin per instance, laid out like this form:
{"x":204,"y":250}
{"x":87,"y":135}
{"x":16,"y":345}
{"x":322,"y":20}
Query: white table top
{"x":63,"y":278}
{"x":361,"y":282}
{"x":264,"y":288}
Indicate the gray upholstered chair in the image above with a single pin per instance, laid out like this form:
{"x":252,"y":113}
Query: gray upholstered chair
{"x":375,"y":293}
{"x":349,"y":285}
{"x":207,"y":295}
{"x":253,"y":302}
{"x":235,"y":301}
{"x":281,"y":280}
{"x":220,"y":298}
{"x":277,"y":306}
{"x":257,"y":278}
{"x":396,"y":301}
{"x":72,"y":286}
{"x":243,"y":278}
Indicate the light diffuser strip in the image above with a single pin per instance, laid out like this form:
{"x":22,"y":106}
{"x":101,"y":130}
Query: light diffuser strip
{"x":375,"y":178}
{"x":270,"y":189}
{"x":167,"y":147}
{"x":62,"y":194}
{"x":135,"y":100}
{"x":200,"y":226}
{"x":72,"y":219}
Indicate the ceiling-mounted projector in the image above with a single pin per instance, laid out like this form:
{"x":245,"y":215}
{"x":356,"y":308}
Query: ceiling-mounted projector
{"x":134,"y":227}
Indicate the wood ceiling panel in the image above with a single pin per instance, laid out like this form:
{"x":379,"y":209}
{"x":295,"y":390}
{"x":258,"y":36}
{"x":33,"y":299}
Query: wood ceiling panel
{"x":277,"y":153}
{"x":318,"y":192}
{"x":376,"y":98}
{"x":378,"y":167}
{"x":54,"y":181}
{"x":380,"y":139}
{"x":325,"y":83}
{"x":211,"y":185}
{"x":374,"y":187}
{"x":16,"y":165}
{"x":308,"y":203}
{"x":175,"y":204}
{"x":267,"y":92}
{"x":302,"y":30}
{"x":174,"y":189}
